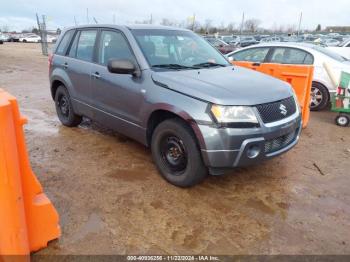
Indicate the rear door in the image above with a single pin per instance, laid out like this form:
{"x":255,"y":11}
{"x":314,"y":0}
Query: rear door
{"x":292,"y":65}
{"x":78,"y":65}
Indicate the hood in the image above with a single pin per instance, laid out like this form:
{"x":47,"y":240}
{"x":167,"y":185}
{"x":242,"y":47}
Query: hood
{"x":225,"y":85}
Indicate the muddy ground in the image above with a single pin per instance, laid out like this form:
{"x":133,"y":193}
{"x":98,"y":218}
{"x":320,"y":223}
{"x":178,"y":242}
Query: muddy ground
{"x":111,"y":199}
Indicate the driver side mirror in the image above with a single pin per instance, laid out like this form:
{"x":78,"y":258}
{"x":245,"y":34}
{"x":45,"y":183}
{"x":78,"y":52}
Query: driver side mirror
{"x":123,"y":66}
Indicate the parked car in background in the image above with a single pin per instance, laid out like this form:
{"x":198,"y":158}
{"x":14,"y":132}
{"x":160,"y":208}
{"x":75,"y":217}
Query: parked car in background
{"x":231,"y":40}
{"x":223,"y":47}
{"x":30,"y":39}
{"x":271,"y":39}
{"x":342,"y":49}
{"x":247,"y":41}
{"x":51,"y":39}
{"x":300,"y":53}
{"x":13,"y":37}
{"x":330,"y":42}
{"x":2,"y":38}
{"x":169,"y":89}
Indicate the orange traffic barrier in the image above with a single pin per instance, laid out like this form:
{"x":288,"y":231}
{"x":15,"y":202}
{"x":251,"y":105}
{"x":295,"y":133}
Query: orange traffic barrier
{"x":299,"y":76}
{"x":28,"y":220}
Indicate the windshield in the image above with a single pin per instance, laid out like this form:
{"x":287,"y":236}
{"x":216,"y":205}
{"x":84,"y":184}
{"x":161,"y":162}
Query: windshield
{"x":329,"y":53}
{"x":177,"y":49}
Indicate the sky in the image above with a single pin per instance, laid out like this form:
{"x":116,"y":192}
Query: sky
{"x":20,"y":14}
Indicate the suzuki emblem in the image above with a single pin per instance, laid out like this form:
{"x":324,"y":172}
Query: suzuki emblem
{"x":283,"y":109}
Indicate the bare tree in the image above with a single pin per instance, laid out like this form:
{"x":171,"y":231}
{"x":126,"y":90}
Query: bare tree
{"x":208,"y":24}
{"x":5,"y":28}
{"x":252,"y":24}
{"x":167,"y":22}
{"x":230,"y":27}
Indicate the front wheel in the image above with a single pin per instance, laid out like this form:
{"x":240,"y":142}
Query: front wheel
{"x":342,"y":120}
{"x":319,"y":97}
{"x":64,"y":108}
{"x":176,"y":154}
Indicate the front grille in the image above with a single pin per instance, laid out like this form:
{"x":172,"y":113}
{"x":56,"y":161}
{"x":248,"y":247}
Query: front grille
{"x":275,"y":111}
{"x":278,"y":143}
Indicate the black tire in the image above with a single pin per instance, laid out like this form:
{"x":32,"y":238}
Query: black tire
{"x":319,"y":97}
{"x":176,"y":153}
{"x":64,"y":108}
{"x":342,"y":120}
{"x":24,"y":41}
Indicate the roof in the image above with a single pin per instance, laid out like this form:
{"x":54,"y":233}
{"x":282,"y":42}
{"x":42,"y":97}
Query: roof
{"x":288,"y":44}
{"x":131,"y":27}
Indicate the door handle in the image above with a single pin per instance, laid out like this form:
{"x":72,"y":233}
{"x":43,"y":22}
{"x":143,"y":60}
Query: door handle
{"x":65,"y":65}
{"x":96,"y":75}
{"x":256,"y":64}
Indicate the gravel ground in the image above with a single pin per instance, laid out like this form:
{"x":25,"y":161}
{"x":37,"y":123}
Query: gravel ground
{"x":111,"y":200}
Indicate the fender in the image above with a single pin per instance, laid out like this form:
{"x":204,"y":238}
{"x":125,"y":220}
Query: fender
{"x":184,"y":115}
{"x":60,"y":75}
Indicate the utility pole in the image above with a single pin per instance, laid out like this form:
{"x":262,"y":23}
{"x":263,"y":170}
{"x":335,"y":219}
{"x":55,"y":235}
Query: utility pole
{"x":242,"y":23}
{"x":113,"y":18}
{"x":151,"y":19}
{"x":193,"y":21}
{"x":43,"y":34}
{"x":75,"y":21}
{"x":87,"y":16}
{"x":300,"y":18}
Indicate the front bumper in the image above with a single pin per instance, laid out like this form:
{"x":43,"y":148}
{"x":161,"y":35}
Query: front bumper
{"x":226,"y":148}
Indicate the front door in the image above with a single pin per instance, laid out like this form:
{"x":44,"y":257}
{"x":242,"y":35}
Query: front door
{"x":117,"y":97}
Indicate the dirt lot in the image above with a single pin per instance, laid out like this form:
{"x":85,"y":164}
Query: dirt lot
{"x":111,"y":199}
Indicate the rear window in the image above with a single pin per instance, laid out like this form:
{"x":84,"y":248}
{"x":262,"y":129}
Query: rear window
{"x":329,"y":53}
{"x":285,"y":55}
{"x":63,"y":45}
{"x":85,"y":48}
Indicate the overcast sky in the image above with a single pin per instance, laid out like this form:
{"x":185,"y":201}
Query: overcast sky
{"x":20,"y":14}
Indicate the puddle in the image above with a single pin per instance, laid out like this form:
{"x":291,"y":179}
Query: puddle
{"x":93,"y":225}
{"x":40,"y":122}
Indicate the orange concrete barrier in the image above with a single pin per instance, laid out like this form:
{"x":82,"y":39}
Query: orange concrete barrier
{"x":28,"y":220}
{"x":299,"y":76}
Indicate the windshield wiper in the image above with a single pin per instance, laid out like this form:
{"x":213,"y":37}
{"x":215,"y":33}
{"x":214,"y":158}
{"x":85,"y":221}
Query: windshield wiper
{"x":175,"y":66}
{"x":209,"y":64}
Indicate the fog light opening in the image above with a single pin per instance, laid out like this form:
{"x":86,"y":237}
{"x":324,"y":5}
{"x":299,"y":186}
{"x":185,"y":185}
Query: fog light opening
{"x":253,"y":151}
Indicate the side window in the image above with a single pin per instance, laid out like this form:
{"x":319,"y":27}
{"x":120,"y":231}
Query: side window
{"x":348,"y":45}
{"x":113,"y":45}
{"x":252,"y":54}
{"x":291,"y":56}
{"x":73,"y":48}
{"x":85,"y":48}
{"x":63,"y":45}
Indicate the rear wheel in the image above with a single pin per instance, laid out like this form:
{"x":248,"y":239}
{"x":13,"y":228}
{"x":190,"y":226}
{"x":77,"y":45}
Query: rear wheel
{"x":342,"y":120}
{"x":319,"y":97}
{"x":176,"y":154}
{"x":64,"y":108}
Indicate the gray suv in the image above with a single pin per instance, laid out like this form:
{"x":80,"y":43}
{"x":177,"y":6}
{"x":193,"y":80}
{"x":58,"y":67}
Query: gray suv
{"x":171,"y":90}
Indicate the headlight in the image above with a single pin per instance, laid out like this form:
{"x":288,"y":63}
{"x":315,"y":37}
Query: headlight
{"x":234,"y":114}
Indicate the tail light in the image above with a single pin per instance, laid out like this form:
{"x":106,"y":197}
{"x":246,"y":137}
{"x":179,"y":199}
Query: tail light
{"x":50,"y":61}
